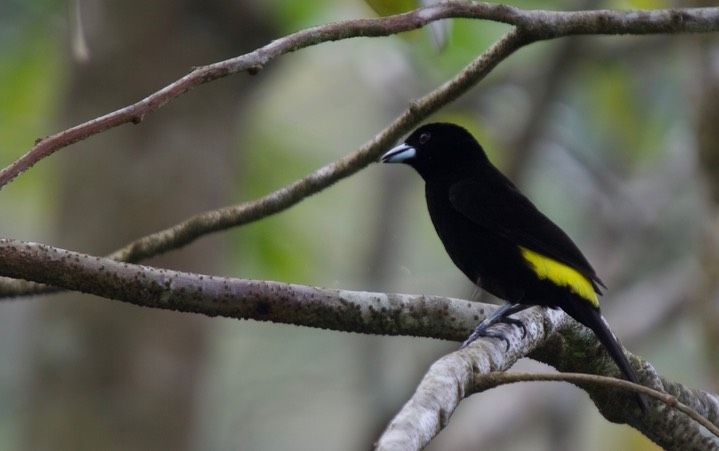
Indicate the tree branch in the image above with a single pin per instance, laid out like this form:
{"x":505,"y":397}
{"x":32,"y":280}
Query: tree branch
{"x":485,"y":382}
{"x":551,"y":336}
{"x":549,"y":333}
{"x":530,"y":26}
{"x":534,"y":24}
{"x":684,"y":434}
{"x":261,"y":300}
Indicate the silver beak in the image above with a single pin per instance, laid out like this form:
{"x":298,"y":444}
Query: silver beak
{"x":399,"y":154}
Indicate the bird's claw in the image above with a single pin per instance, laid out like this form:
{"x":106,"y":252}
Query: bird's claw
{"x":515,"y":322}
{"x":487,"y":333}
{"x":482,"y":330}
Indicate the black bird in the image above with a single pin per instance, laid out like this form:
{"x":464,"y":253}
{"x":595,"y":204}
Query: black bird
{"x":499,"y":239}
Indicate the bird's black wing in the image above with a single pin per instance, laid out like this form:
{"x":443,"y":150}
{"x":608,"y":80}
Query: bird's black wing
{"x":500,"y":207}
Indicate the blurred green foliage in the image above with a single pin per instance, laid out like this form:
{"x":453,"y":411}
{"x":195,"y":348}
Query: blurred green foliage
{"x":32,"y":75}
{"x":391,"y":7}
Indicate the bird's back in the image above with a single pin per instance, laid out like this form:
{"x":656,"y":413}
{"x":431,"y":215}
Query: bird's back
{"x":502,"y":242}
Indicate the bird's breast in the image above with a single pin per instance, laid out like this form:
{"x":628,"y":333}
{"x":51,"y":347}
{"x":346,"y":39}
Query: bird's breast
{"x":486,"y":258}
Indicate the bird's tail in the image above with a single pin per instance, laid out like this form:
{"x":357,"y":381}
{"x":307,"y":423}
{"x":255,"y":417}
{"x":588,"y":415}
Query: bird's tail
{"x":593,"y":319}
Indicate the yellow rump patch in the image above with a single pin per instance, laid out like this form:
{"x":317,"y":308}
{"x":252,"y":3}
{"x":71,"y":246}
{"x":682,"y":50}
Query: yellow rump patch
{"x":560,"y":274}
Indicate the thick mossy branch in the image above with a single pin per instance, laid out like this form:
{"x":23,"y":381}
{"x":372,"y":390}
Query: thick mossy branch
{"x":550,"y":336}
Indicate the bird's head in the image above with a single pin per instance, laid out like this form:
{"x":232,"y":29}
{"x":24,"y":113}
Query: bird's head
{"x":439,"y":150}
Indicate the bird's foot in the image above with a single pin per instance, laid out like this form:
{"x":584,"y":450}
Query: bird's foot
{"x":481,"y":331}
{"x":501,"y":315}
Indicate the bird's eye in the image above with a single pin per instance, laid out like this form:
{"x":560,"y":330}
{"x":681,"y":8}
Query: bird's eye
{"x":424,"y":137}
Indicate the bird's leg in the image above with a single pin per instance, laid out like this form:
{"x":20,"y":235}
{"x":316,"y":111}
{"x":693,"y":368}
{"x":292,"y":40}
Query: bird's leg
{"x":501,"y":315}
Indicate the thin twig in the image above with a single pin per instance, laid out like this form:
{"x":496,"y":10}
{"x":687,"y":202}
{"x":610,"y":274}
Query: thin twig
{"x":538,"y":24}
{"x":484,"y":382}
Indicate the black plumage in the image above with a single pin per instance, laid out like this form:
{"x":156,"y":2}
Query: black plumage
{"x":499,"y":239}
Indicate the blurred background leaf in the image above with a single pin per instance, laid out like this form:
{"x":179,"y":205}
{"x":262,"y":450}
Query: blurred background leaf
{"x":392,"y":7}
